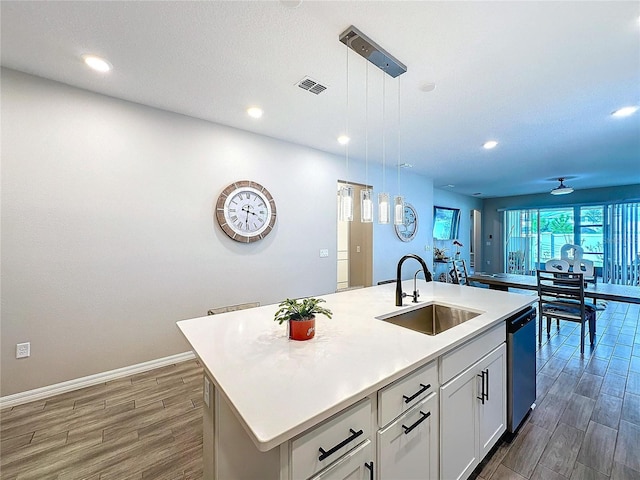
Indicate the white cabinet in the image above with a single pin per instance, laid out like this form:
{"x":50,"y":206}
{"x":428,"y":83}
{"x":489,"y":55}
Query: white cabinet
{"x":492,"y":414}
{"x":473,"y":413}
{"x":408,"y":447}
{"x":356,"y":465}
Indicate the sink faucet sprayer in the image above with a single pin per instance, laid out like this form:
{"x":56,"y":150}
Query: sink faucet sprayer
{"x":427,"y":276}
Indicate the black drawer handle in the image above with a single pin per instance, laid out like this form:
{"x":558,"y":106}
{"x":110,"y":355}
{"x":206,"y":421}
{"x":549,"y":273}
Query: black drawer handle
{"x":324,"y":454}
{"x":418,"y":422}
{"x":422,"y":390}
{"x":370,"y":468}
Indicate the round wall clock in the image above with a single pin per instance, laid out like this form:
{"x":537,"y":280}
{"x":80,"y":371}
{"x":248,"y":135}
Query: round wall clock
{"x":408,"y":229}
{"x":246,"y":211}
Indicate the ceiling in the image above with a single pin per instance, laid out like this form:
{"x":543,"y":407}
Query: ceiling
{"x":541,"y":78}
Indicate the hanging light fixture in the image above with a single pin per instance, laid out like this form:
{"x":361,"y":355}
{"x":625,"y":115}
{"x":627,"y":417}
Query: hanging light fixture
{"x":366,"y":194}
{"x":367,"y":48}
{"x":383,"y":197}
{"x":398,"y":201}
{"x":561,"y":189}
{"x":345,"y":210}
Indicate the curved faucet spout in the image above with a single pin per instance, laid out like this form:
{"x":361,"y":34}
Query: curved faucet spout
{"x":427,"y":276}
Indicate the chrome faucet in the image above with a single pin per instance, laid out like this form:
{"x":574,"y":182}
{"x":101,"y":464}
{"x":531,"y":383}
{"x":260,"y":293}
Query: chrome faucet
{"x":416,"y":292}
{"x":427,"y":276}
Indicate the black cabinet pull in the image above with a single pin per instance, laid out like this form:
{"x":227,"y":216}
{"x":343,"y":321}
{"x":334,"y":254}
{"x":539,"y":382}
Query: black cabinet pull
{"x":487,"y":397}
{"x":324,"y":454}
{"x":418,"y":422}
{"x":423,"y":389}
{"x":482,"y":394}
{"x":370,"y":468}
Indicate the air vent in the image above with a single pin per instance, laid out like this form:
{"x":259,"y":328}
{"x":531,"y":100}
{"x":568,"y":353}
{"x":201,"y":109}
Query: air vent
{"x":309,"y":84}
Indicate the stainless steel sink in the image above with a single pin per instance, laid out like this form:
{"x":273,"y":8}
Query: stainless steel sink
{"x":431,"y":319}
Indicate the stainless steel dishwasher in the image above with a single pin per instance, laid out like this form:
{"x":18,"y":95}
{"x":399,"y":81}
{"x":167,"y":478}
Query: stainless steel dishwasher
{"x":521,"y":367}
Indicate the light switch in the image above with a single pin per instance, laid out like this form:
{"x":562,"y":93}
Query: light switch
{"x":324,"y":252}
{"x":357,"y":248}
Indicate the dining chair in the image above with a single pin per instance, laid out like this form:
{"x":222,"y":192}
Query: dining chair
{"x":556,"y":265}
{"x":232,"y":308}
{"x":587,"y":268}
{"x":561,"y":296}
{"x":459,"y":272}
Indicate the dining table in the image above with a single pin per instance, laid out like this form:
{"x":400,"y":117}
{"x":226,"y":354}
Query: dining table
{"x":597,"y":291}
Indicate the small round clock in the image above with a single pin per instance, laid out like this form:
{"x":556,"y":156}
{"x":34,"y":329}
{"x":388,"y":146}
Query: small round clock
{"x":408,"y":229}
{"x":246,"y":211}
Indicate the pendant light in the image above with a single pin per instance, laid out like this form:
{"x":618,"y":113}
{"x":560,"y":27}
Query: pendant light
{"x":366,"y":194}
{"x":345,"y":210}
{"x":383,"y":197}
{"x":357,"y":41}
{"x":398,"y":201}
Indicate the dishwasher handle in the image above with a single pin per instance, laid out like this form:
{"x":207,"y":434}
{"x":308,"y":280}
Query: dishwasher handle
{"x":520,"y":319}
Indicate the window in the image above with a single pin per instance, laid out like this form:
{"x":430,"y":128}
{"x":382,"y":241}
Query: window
{"x":608,"y":234}
{"x":446,"y":222}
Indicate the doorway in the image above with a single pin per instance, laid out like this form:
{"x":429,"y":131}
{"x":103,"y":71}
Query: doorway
{"x":355,"y":246}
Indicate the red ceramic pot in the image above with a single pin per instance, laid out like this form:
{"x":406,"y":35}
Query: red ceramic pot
{"x":302,"y":329}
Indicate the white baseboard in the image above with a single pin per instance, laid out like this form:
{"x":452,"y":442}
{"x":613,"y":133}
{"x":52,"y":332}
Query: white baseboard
{"x":58,"y":388}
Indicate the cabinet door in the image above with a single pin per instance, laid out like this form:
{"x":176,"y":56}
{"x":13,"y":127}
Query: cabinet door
{"x":492,"y":414}
{"x":458,"y":425}
{"x":408,"y":447}
{"x":355,"y":465}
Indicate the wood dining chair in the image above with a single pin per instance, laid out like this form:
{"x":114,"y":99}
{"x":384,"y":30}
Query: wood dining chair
{"x":561,"y":296}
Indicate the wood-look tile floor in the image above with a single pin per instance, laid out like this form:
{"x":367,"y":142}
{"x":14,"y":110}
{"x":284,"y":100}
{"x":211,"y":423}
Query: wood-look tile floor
{"x":587,"y":421}
{"x":146,"y":426}
{"x":149,"y":426}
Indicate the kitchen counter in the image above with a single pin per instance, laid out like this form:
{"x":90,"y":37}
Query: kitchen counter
{"x":278,"y":388}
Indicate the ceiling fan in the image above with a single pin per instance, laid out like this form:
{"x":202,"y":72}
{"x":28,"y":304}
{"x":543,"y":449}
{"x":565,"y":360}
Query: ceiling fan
{"x":561,"y":189}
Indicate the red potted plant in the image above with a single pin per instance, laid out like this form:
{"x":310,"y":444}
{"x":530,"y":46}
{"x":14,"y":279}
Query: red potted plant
{"x":300,"y":315}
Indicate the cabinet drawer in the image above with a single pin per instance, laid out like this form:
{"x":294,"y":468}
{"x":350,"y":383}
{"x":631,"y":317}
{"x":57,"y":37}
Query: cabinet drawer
{"x":408,"y":447}
{"x":335,"y":437}
{"x":355,"y":465}
{"x":406,"y":392}
{"x":467,"y":354}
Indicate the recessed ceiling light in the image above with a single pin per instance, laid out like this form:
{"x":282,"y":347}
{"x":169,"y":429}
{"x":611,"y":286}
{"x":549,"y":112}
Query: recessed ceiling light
{"x":343,"y":139}
{"x":428,"y":87}
{"x":490,"y":144}
{"x":477,"y":193}
{"x":96,"y":63}
{"x":254,"y":112}
{"x":624,"y":111}
{"x":406,"y":165}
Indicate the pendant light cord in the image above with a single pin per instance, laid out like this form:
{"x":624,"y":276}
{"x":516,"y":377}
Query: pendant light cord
{"x":398,"y":122}
{"x":366,"y":128}
{"x":347,"y":133}
{"x":383,"y":132}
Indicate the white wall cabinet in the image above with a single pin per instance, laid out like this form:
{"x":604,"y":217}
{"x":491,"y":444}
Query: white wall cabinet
{"x":408,"y":447}
{"x":473,"y":414}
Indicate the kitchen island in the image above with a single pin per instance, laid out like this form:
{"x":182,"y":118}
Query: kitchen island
{"x":277,"y":389}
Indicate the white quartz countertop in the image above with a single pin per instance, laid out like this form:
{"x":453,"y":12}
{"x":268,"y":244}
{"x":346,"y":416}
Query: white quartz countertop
{"x":279,"y":388}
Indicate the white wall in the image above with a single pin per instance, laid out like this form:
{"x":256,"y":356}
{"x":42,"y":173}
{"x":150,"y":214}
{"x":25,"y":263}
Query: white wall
{"x":108,"y":235}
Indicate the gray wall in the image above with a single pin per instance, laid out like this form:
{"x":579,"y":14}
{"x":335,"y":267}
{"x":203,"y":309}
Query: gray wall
{"x":492,"y":218}
{"x":108,"y":236}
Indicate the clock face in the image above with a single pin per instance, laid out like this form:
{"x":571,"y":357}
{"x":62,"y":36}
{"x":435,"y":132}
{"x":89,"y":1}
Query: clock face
{"x":246,"y":211}
{"x":407,"y":231}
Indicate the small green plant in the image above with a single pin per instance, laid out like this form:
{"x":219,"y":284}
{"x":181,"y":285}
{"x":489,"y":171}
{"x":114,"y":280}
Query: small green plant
{"x":300,"y":309}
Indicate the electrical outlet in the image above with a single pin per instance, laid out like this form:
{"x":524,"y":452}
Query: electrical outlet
{"x":207,"y":390}
{"x":23,"y":350}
